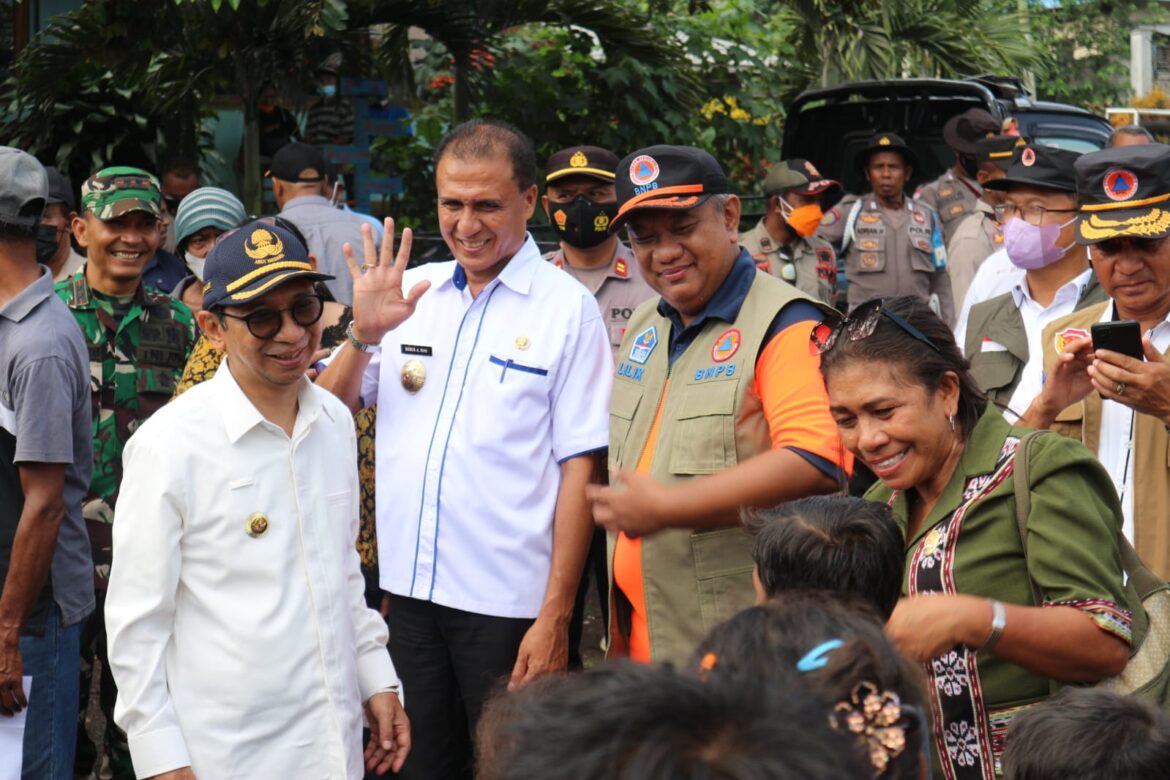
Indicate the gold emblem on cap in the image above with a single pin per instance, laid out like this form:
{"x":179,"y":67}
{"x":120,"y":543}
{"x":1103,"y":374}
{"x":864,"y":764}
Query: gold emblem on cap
{"x":522,"y":342}
{"x":256,"y":525}
{"x":579,"y":160}
{"x":414,"y":375}
{"x":885,"y":141}
{"x":264,"y":246}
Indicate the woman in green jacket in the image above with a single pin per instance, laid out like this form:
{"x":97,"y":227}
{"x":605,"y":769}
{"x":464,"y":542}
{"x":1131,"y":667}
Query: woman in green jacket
{"x":906,"y":406}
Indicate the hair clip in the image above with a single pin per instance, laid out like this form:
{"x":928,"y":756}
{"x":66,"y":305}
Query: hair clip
{"x":818,"y":656}
{"x":876,"y":717}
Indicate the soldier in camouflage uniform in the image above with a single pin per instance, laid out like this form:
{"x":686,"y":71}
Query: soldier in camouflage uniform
{"x":139,"y":340}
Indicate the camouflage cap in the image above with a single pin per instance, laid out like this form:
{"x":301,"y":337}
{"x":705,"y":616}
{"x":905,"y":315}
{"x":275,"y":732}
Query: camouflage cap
{"x":112,"y":192}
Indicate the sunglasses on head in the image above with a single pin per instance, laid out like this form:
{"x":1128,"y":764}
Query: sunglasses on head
{"x":860,"y":324}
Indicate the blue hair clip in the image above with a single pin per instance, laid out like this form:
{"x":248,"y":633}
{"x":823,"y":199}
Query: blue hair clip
{"x":817,"y":657}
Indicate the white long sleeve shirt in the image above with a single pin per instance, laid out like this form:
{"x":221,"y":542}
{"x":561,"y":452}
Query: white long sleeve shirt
{"x":517,"y":382}
{"x":242,"y":655}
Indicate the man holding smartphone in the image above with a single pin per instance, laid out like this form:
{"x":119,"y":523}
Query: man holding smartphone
{"x":1118,"y":405}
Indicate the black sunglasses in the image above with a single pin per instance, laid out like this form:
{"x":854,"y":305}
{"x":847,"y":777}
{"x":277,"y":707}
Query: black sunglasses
{"x":860,"y":324}
{"x":266,"y":323}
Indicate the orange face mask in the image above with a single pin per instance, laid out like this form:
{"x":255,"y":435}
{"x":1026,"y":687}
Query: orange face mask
{"x":803,"y":220}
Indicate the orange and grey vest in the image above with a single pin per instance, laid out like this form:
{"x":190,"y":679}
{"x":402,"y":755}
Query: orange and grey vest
{"x":711,"y":420}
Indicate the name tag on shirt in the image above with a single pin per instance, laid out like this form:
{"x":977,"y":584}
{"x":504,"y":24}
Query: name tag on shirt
{"x":416,"y":349}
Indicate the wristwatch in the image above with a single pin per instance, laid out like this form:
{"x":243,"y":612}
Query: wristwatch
{"x":360,"y":346}
{"x":998,"y":623}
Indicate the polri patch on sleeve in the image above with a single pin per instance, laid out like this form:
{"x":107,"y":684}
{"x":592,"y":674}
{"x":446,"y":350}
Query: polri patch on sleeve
{"x":416,"y":349}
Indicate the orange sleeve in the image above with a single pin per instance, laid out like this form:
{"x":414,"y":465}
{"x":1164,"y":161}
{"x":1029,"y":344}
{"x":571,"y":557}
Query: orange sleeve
{"x":796,"y":405}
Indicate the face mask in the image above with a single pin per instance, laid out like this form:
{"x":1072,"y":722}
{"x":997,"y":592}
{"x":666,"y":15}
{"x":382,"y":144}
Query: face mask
{"x":804,"y":220}
{"x":1033,"y":246}
{"x":46,"y":243}
{"x":328,"y":90}
{"x":582,"y":223}
{"x":195,"y":264}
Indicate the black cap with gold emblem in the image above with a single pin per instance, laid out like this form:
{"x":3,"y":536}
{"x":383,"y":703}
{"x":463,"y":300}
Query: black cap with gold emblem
{"x":581,"y":161}
{"x":887,"y":142}
{"x":252,"y":260}
{"x":1124,"y":191}
{"x":1036,"y":165}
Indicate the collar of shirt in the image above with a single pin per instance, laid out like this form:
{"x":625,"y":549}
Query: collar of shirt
{"x":82,"y":297}
{"x":516,"y":274}
{"x":307,"y":200}
{"x":240,"y":415}
{"x":724,"y":305}
{"x":1070,"y":290}
{"x":29,"y":298}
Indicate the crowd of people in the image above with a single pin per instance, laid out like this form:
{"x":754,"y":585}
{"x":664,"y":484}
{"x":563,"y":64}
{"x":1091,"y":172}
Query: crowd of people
{"x":910,"y":521}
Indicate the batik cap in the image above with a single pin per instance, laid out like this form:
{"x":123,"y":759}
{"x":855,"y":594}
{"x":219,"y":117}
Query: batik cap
{"x":1123,"y":192}
{"x":666,"y":177}
{"x":23,"y":188}
{"x":254,"y":260}
{"x":112,"y":192}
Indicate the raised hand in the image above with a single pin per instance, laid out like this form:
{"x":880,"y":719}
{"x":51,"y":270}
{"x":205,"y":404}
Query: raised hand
{"x":379,"y":304}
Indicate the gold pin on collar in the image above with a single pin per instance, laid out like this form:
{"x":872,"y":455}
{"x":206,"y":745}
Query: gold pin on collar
{"x":414,"y":375}
{"x":256,"y":525}
{"x":522,"y":343}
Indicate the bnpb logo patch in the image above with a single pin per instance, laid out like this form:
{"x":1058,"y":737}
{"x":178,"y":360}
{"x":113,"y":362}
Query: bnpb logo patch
{"x":1028,"y":157}
{"x":643,"y":170}
{"x":1120,"y":184}
{"x":726,"y":345}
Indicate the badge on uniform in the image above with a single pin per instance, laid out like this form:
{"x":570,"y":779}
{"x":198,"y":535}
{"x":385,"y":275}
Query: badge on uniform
{"x":522,"y":343}
{"x":870,"y":219}
{"x":256,"y":525}
{"x":644,"y":344}
{"x":945,"y":191}
{"x":831,"y":216}
{"x":956,"y":209}
{"x":414,"y":375}
{"x":869,"y":260}
{"x":868,"y":244}
{"x":726,"y":345}
{"x":1068,"y":336}
{"x":919,"y":218}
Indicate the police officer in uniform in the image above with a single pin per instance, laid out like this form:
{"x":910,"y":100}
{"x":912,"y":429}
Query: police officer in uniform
{"x":893,"y":245}
{"x":954,"y":194}
{"x":979,"y":233}
{"x":580,"y":201}
{"x":783,"y":241}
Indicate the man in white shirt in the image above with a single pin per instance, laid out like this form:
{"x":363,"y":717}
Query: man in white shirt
{"x":1002,"y":338}
{"x":492,"y":378}
{"x":238,"y":631}
{"x":1119,"y":406}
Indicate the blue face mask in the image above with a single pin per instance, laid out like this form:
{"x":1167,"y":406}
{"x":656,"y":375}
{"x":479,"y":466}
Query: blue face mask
{"x":328,"y":90}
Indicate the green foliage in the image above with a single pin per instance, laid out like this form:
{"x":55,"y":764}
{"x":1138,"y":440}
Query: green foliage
{"x":1086,"y":48}
{"x":849,"y":40}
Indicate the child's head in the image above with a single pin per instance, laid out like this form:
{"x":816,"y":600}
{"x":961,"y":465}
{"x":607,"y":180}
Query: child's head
{"x":834,"y":648}
{"x":1085,"y":734}
{"x":836,"y":543}
{"x":626,"y":721}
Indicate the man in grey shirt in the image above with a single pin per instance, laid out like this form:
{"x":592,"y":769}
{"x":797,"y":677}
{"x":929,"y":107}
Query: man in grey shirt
{"x":299,"y":186}
{"x":46,"y":575}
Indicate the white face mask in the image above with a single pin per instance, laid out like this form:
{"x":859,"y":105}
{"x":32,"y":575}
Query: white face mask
{"x":195,"y":264}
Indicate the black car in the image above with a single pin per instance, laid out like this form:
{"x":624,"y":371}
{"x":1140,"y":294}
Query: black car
{"x":829,"y":126}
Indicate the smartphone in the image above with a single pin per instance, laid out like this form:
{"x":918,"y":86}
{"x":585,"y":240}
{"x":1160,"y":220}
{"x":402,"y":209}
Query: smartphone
{"x":1124,"y":337}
